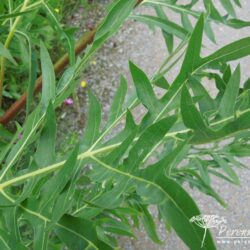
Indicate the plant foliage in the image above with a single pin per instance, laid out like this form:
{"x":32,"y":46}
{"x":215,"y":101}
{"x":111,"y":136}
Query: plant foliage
{"x":105,"y":186}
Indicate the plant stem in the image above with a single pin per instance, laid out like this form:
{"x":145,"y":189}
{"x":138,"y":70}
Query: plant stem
{"x":204,"y":236}
{"x":10,"y":10}
{"x":55,"y":166}
{"x":86,"y":39}
{"x":45,"y":219}
{"x":6,"y":45}
{"x":89,"y":154}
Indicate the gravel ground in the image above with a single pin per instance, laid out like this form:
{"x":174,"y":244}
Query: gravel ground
{"x":146,"y":48}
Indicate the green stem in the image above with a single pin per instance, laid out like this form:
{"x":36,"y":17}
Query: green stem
{"x":45,"y":219}
{"x":175,"y":7}
{"x":77,"y":104}
{"x":6,"y":45}
{"x":85,"y":155}
{"x":54,"y":167}
{"x":161,"y":74}
{"x":204,"y":236}
{"x":10,"y":11}
{"x":173,"y":54}
{"x":154,"y":78}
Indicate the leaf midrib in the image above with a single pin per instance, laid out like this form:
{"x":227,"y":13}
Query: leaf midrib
{"x":88,"y":154}
{"x":45,"y":219}
{"x":139,"y":179}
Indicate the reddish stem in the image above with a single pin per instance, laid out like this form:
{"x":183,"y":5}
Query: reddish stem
{"x":86,"y":39}
{"x":58,"y":67}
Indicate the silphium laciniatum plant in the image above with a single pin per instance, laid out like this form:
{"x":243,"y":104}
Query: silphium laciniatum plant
{"x":104,"y":187}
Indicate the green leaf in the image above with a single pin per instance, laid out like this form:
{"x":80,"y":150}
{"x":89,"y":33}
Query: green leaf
{"x":149,"y":224}
{"x":116,"y":170}
{"x":72,"y":231}
{"x":146,"y":142}
{"x":238,"y":124}
{"x":92,"y":130}
{"x":41,"y":239}
{"x":228,"y":101}
{"x":64,"y":202}
{"x":191,"y":62}
{"x":178,"y":210}
{"x":238,"y":3}
{"x":55,"y":185}
{"x":206,"y":103}
{"x":230,"y":52}
{"x":213,"y":12}
{"x":166,"y":25}
{"x":15,"y":14}
{"x":48,"y":76}
{"x":115,"y":156}
{"x":228,"y":7}
{"x":175,"y":204}
{"x":171,"y":5}
{"x":46,"y":145}
{"x":203,"y":170}
{"x":227,"y":74}
{"x":116,"y":16}
{"x":237,"y":23}
{"x":66,"y":84}
{"x":8,"y":243}
{"x":4,"y":241}
{"x":130,"y":127}
{"x":167,"y":164}
{"x":144,"y":89}
{"x":32,"y":78}
{"x":186,"y":22}
{"x":118,"y":101}
{"x":26,"y":137}
{"x":194,"y":180}
{"x":209,"y":32}
{"x":5,"y":134}
{"x":107,"y":201}
{"x":192,"y":57}
{"x":6,"y":54}
{"x":190,"y":114}
{"x":239,"y":150}
{"x":111,"y":225}
{"x":169,"y":39}
{"x":66,"y":34}
{"x":29,"y":186}
{"x":162,"y":83}
{"x":107,"y":238}
{"x":227,"y":168}
{"x":12,"y":224}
